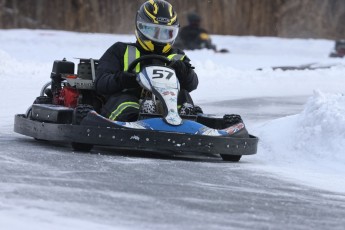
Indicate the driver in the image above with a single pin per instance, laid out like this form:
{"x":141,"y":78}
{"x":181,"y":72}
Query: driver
{"x":156,"y":30}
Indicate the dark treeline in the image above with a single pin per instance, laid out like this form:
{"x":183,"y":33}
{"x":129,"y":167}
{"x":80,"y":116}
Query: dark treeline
{"x":285,"y":18}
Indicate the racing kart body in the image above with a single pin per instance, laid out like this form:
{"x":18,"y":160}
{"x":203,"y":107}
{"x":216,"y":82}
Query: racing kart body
{"x":68,"y":110}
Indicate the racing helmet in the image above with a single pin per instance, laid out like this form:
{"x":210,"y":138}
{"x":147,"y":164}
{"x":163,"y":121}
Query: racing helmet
{"x":156,"y":26}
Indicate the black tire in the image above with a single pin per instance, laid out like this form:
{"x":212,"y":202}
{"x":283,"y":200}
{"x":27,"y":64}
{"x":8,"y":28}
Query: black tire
{"x":81,"y":147}
{"x":231,"y":158}
{"x":80,"y":113}
{"x":43,"y":100}
{"x":29,"y":113}
{"x":231,"y":119}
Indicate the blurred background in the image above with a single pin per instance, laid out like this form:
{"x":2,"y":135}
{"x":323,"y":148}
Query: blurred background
{"x":282,"y":18}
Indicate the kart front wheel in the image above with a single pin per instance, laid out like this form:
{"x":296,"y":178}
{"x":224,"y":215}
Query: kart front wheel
{"x":232,"y":158}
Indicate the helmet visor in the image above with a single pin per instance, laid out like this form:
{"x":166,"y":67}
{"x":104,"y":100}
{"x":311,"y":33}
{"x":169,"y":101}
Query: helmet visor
{"x":158,"y":33}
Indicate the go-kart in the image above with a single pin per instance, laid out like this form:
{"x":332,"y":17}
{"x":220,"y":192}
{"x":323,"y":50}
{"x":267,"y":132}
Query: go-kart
{"x":68,"y":110}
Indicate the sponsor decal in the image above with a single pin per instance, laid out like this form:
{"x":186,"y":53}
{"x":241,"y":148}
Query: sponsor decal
{"x":208,"y":131}
{"x":165,"y":93}
{"x":164,"y":20}
{"x":234,"y":129}
{"x":133,"y":125}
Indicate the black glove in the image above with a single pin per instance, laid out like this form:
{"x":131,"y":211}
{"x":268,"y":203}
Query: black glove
{"x":128,"y":80}
{"x":181,"y":68}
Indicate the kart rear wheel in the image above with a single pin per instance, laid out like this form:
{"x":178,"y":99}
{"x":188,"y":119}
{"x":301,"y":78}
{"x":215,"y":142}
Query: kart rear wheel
{"x":81,"y":147}
{"x":80,"y":112}
{"x":231,"y":158}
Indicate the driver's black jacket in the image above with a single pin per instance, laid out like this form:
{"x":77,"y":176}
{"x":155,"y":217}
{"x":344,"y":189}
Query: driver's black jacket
{"x":111,"y":67}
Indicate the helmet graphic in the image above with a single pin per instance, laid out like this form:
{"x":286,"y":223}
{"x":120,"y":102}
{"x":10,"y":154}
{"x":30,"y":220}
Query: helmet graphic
{"x":156,"y":26}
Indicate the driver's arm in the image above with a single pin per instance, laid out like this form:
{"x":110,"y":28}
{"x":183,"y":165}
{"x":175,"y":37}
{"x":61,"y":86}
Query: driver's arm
{"x":110,"y":77}
{"x":189,"y":80}
{"x":185,"y":73}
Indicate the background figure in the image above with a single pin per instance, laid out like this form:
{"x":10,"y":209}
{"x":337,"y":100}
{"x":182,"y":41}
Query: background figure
{"x":193,"y":37}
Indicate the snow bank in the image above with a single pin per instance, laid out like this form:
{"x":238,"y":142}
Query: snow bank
{"x":322,"y":126}
{"x":308,"y":146}
{"x":6,"y":64}
{"x":21,"y":82}
{"x":15,"y":70}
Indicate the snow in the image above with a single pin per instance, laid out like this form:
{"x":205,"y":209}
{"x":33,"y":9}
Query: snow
{"x":307,"y":147}
{"x":29,"y":219}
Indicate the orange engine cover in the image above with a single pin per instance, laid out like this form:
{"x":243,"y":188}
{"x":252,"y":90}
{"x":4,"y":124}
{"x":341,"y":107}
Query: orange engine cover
{"x":70,"y":97}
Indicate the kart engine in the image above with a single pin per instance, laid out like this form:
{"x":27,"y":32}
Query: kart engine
{"x":69,"y":89}
{"x":63,"y":94}
{"x":68,"y":96}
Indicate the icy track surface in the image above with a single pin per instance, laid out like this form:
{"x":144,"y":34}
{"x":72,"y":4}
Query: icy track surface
{"x":296,"y":180}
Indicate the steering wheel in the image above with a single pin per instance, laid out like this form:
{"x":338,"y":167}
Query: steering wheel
{"x":150,"y":56}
